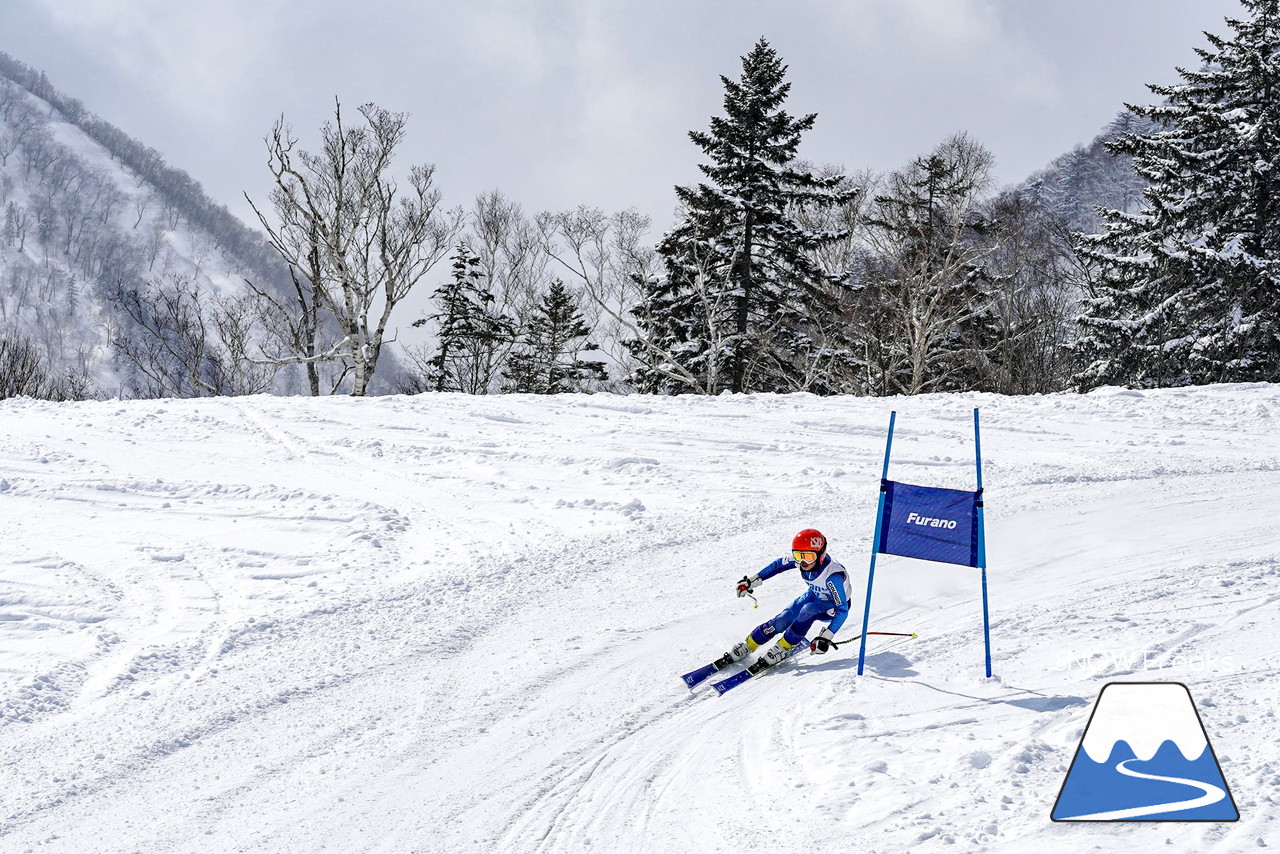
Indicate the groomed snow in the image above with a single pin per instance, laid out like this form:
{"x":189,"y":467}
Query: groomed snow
{"x":455,"y":624}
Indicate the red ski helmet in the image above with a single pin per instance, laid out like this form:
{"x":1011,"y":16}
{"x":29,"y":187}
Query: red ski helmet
{"x":809,"y":540}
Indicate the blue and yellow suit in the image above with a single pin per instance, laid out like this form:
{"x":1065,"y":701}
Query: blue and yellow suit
{"x":826,"y":601}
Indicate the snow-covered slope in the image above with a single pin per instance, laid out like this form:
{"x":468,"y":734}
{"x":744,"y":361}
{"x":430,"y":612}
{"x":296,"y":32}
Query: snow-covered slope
{"x":449,"y":623}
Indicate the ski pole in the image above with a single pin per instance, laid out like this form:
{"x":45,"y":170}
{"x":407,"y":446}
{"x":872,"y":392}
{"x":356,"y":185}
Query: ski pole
{"x":838,"y":644}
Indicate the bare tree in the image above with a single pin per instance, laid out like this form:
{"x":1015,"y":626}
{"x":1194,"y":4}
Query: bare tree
{"x":23,"y":370}
{"x":10,"y":97}
{"x":187,"y":343}
{"x":837,"y":257}
{"x":356,"y":244}
{"x":292,"y":323}
{"x":154,"y":244}
{"x":1037,"y":280}
{"x":17,"y":219}
{"x":171,"y":214}
{"x":25,"y":122}
{"x":8,"y":145}
{"x":607,"y":255}
{"x":41,"y":150}
{"x":510,"y":250}
{"x":142,"y":201}
{"x":922,"y":311}
{"x":418,"y":375}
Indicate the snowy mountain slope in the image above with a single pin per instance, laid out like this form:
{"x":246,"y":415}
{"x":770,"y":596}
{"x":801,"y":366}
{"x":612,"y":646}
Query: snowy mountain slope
{"x":1090,"y":176}
{"x":77,"y":224}
{"x":450,"y":623}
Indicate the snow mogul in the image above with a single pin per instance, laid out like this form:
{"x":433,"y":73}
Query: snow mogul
{"x":825,"y":601}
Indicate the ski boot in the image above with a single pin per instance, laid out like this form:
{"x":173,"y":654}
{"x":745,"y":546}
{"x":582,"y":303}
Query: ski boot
{"x":771,"y":656}
{"x":739,"y":652}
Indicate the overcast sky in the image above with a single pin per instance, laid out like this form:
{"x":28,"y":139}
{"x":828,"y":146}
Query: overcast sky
{"x":566,"y":102}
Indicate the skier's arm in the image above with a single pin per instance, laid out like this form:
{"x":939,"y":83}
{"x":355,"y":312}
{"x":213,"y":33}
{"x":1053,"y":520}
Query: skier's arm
{"x":782,"y":564}
{"x":751,"y":582}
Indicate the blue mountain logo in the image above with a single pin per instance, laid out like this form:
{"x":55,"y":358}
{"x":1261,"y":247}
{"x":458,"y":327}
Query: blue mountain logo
{"x":1145,"y":756}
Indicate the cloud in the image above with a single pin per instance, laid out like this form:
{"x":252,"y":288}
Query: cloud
{"x":507,"y":40}
{"x":198,"y":57}
{"x":561,"y":102}
{"x":957,"y":25}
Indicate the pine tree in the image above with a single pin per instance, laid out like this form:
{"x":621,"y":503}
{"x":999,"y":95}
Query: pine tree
{"x":10,"y":234}
{"x":471,"y":331}
{"x":930,"y":320}
{"x":742,"y":305}
{"x":551,"y":361}
{"x":1189,"y":287}
{"x":73,"y":296}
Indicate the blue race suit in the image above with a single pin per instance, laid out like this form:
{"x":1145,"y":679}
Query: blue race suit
{"x":826,"y":601}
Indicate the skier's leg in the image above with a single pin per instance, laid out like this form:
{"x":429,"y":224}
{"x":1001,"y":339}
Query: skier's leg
{"x":761,"y":634}
{"x":800,"y":616}
{"x":758,"y":637}
{"x":806,"y":616}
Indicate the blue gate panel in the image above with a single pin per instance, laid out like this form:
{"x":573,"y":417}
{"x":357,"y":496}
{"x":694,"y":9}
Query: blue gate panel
{"x":930,"y":523}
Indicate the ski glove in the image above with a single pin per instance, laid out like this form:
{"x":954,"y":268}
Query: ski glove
{"x":822,"y":642}
{"x":746,"y":585}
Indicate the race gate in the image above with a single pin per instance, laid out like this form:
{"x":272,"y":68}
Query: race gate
{"x":929,"y":523}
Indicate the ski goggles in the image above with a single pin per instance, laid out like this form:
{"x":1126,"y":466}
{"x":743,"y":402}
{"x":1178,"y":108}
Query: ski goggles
{"x":805,"y":557}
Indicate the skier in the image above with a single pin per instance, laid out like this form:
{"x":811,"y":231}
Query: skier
{"x":826,"y":601}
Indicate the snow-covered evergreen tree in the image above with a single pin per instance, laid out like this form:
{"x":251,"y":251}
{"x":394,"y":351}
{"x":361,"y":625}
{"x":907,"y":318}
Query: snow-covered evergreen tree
{"x":1090,"y":176}
{"x":556,"y":338}
{"x":741,"y":299}
{"x":9,"y":237}
{"x":471,"y":333}
{"x":1189,"y":287}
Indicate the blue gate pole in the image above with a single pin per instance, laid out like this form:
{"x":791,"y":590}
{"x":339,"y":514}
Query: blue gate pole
{"x":982,"y":546}
{"x":875,"y":546}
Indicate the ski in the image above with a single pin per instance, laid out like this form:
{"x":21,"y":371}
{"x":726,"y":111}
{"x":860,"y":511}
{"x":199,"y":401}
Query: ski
{"x":738,"y":678}
{"x":696,"y":677}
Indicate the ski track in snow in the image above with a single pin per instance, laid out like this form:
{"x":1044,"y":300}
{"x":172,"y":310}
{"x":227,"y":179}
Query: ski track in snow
{"x":447,"y":623}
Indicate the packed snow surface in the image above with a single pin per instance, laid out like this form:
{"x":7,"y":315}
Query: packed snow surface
{"x":456,"y":624}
